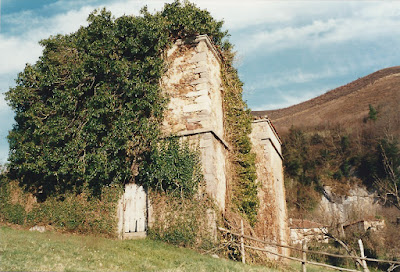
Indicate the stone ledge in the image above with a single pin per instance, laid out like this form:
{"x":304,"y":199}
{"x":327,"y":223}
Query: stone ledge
{"x":198,"y":39}
{"x":268,"y":121}
{"x":204,"y":131}
{"x":273,"y":145}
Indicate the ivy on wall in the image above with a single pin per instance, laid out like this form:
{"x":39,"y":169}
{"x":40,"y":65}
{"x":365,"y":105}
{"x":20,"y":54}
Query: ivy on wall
{"x":172,"y":167}
{"x":237,"y":129}
{"x":88,"y":111}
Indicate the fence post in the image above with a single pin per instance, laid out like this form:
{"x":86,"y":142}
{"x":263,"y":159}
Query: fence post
{"x":304,"y":255}
{"x":363,"y":262}
{"x":242,"y":242}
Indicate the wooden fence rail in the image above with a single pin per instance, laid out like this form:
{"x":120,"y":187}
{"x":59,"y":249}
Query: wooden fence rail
{"x":301,"y":260}
{"x":304,"y":250}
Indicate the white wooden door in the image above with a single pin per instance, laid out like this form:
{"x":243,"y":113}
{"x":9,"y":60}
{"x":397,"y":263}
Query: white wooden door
{"x":135,"y":210}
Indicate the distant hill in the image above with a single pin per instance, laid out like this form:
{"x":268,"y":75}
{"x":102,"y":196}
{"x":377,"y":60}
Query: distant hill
{"x":347,"y":105}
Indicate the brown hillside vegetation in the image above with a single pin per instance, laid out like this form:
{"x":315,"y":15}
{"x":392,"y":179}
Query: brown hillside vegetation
{"x":347,"y":105}
{"x":339,"y":141}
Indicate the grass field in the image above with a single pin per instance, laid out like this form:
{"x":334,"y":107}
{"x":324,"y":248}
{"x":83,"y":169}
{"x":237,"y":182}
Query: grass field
{"x":22,"y":250}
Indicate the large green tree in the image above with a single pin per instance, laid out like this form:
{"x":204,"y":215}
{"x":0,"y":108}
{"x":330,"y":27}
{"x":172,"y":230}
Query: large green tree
{"x":89,"y":109}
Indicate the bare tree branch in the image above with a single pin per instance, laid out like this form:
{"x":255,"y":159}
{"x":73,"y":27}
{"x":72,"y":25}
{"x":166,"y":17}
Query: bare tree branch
{"x":349,"y":250}
{"x":388,"y":187}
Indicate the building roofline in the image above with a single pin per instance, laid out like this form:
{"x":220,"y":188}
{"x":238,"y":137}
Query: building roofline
{"x":210,"y":45}
{"x":267,"y":120}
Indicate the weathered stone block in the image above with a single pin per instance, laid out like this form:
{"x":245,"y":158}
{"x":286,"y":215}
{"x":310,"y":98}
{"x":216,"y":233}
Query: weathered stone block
{"x":38,"y":228}
{"x":199,"y":81}
{"x":201,"y":63}
{"x":205,"y":74}
{"x":201,"y":46}
{"x":196,"y":119}
{"x":193,"y":126}
{"x":202,"y":56}
{"x":200,"y":69}
{"x":197,"y":93}
{"x":203,"y":99}
{"x":178,"y":127}
{"x":205,"y":143}
{"x":202,"y":86}
{"x":197,"y":107}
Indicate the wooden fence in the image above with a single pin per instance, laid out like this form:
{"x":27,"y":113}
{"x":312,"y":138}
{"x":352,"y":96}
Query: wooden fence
{"x":362,"y":260}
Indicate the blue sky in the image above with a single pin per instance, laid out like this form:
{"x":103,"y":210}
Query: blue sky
{"x":287,"y":51}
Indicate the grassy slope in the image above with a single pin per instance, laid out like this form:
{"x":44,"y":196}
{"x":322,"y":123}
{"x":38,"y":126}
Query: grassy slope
{"x":22,"y":250}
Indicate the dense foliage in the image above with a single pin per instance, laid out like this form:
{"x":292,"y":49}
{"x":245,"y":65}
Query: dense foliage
{"x":12,"y":212}
{"x":88,"y":112}
{"x":77,"y":213}
{"x":172,"y":167}
{"x":315,"y":159}
{"x":339,"y":157}
{"x":237,"y":129}
{"x":182,"y":221}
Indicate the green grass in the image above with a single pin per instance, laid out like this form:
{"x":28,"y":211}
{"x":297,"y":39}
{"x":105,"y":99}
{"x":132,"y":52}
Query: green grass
{"x":296,"y":266}
{"x":22,"y":250}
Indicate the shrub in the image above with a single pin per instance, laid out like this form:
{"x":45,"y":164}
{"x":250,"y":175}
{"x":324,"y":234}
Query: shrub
{"x":9,"y":211}
{"x":79,"y":212}
{"x":183,"y":222}
{"x":13,"y":213}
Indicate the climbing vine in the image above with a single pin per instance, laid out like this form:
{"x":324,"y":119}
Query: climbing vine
{"x":237,"y":128}
{"x":88,"y":112}
{"x":172,"y":167}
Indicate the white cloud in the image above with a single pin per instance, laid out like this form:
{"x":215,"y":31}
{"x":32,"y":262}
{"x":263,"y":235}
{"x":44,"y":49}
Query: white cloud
{"x":290,"y":98}
{"x":358,"y":24}
{"x":383,"y":9}
{"x":297,"y":76}
{"x":15,"y":52}
{"x":243,"y":14}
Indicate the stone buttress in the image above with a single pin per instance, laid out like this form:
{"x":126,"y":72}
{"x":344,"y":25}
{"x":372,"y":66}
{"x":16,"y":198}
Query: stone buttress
{"x":272,"y":214}
{"x":195,"y":111}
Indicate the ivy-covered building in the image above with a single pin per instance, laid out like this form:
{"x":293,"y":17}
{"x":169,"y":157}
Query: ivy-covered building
{"x":195,"y":114}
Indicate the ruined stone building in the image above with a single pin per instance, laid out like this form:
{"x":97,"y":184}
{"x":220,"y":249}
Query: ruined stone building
{"x":195,"y":112}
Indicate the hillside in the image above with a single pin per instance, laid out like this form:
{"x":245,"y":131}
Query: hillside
{"x":347,"y":105}
{"x":344,"y":141}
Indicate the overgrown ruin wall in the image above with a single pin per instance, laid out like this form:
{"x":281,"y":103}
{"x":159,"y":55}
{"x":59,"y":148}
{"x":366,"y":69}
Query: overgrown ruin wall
{"x":195,"y":112}
{"x":194,"y":86}
{"x":272,"y":215}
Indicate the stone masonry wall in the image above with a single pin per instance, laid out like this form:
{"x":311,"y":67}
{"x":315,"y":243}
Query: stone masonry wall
{"x":272,"y":215}
{"x":193,"y":84}
{"x":195,"y":112}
